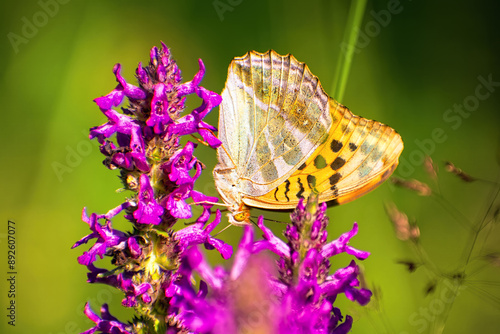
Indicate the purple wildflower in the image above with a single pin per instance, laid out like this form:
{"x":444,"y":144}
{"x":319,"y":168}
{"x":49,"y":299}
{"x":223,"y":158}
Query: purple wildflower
{"x":176,"y":202}
{"x":235,"y":295}
{"x":193,"y":123}
{"x":106,"y":236}
{"x":148,"y":211}
{"x":297,"y":300}
{"x":142,"y":142}
{"x":132,"y":291}
{"x":178,"y":166}
{"x":106,"y":323}
{"x":128,"y":133}
{"x":308,"y":290}
{"x":195,"y":234}
{"x":156,"y":264}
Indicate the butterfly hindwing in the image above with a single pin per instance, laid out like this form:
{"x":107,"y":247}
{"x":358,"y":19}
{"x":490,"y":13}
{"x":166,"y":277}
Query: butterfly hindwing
{"x":358,"y":155}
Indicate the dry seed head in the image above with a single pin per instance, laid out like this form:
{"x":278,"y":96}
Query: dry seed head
{"x":451,"y":168}
{"x":420,"y":188}
{"x":399,"y":220}
{"x":430,"y":167}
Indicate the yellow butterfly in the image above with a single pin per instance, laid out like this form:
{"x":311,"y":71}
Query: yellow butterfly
{"x":284,"y":138}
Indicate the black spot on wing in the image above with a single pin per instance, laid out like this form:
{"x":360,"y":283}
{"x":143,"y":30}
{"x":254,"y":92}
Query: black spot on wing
{"x":311,"y":181}
{"x":335,"y":191}
{"x":287,"y":189}
{"x":275,"y":193}
{"x":334,"y":179}
{"x":335,"y":146}
{"x":301,"y":190}
{"x":353,"y":147}
{"x":337,"y":163}
{"x":302,"y":166}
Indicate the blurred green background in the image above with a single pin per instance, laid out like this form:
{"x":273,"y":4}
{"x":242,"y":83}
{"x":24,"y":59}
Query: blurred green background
{"x":414,"y":63}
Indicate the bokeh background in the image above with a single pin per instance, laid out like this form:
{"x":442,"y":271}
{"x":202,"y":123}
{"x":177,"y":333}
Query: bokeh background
{"x":416,"y":63}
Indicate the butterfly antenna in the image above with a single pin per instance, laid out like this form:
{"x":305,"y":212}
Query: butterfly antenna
{"x":253,"y":222}
{"x":211,"y":213}
{"x":225,"y":228}
{"x":201,"y":141}
{"x":271,"y":220}
{"x":211,"y":203}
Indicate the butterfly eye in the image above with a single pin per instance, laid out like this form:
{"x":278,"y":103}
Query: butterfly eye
{"x":242,"y":216}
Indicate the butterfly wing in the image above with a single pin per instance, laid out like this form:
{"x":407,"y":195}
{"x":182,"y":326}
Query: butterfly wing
{"x":274,"y":115}
{"x":358,"y":155}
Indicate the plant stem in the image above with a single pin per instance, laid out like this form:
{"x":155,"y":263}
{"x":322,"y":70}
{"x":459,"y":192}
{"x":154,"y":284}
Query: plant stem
{"x":347,"y":48}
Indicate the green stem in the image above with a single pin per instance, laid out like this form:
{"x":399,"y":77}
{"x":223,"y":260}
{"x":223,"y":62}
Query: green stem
{"x":347,"y":48}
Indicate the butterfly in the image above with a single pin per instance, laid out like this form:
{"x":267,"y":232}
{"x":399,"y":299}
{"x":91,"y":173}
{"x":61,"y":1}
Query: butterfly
{"x":283,"y":139}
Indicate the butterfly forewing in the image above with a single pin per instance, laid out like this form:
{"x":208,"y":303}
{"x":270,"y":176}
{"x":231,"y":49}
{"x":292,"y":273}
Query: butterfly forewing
{"x":273,"y":116}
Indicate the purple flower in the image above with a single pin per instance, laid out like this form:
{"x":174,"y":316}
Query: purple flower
{"x":193,"y":122}
{"x":115,"y":97}
{"x":340,"y":245}
{"x":128,"y":133}
{"x":156,"y":264}
{"x":129,"y":90}
{"x":148,"y":210}
{"x":117,"y":122}
{"x":159,"y":118}
{"x":206,"y":202}
{"x":180,"y":163}
{"x":309,"y":297}
{"x":297,"y":300}
{"x":106,"y":323}
{"x":161,"y":84}
{"x":169,"y":95}
{"x":106,"y":236}
{"x":142,"y":141}
{"x":132,"y":291}
{"x":176,"y":202}
{"x":235,"y":296}
{"x":190,"y":306}
{"x":195,"y":235}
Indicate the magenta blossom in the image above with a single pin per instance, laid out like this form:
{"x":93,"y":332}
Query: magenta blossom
{"x":148,"y":211}
{"x":297,"y":300}
{"x":106,"y":323}
{"x":141,"y":141}
{"x":107,"y":237}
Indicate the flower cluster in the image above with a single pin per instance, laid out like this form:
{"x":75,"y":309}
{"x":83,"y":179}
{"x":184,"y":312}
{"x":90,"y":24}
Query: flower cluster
{"x":297,"y":299}
{"x":143,"y":142}
{"x":156,"y":263}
